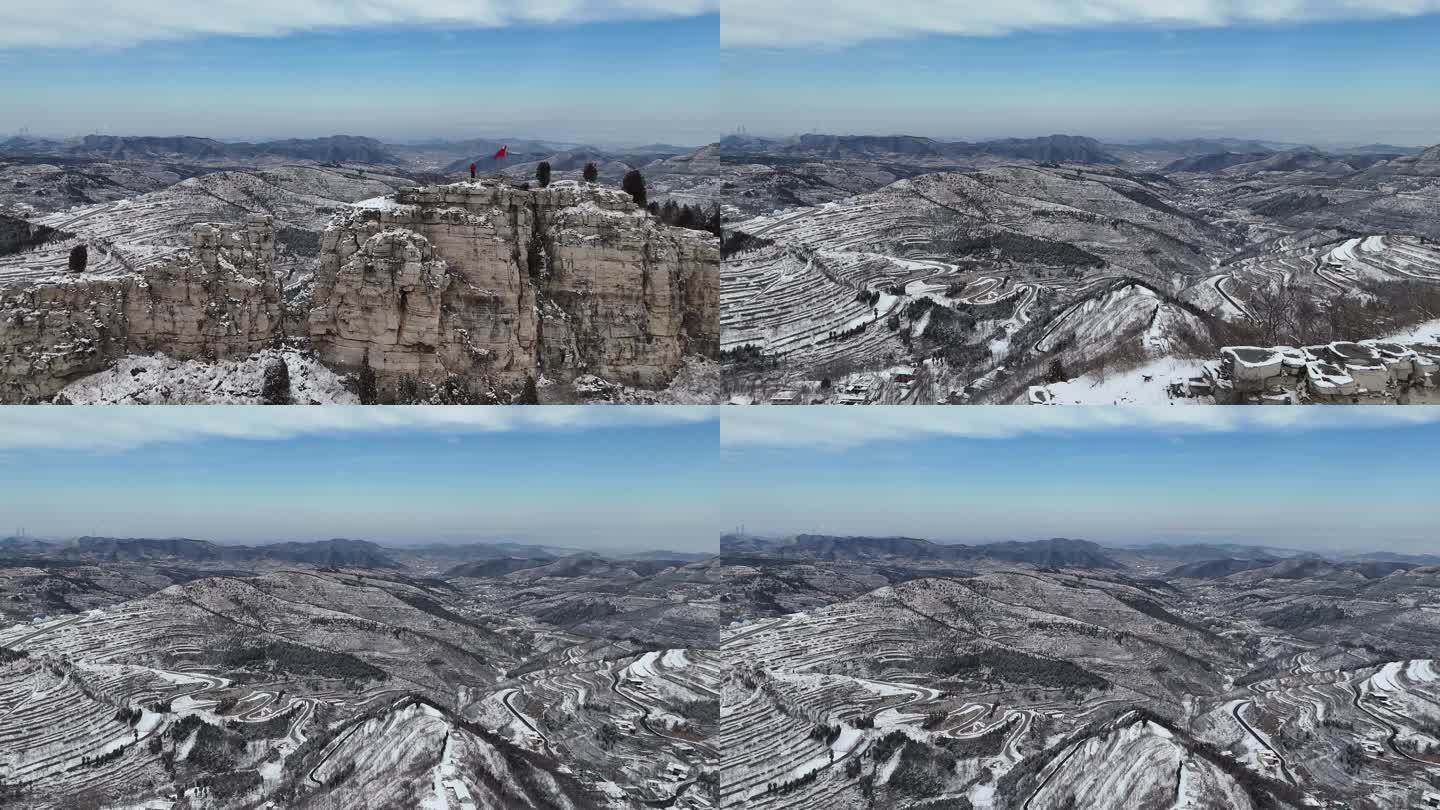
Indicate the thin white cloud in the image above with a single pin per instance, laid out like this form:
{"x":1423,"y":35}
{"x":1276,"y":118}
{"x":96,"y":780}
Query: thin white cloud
{"x":122,"y":428}
{"x":840,"y":428}
{"x":831,"y":23}
{"x":95,"y":23}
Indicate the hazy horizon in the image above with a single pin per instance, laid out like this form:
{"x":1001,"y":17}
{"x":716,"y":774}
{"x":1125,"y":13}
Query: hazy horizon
{"x":1307,"y":71}
{"x":409,"y":141}
{"x":389,"y":543}
{"x":579,"y":477}
{"x":1127,"y":140}
{"x":630,"y":72}
{"x":1102,"y":542}
{"x":1309,"y":479}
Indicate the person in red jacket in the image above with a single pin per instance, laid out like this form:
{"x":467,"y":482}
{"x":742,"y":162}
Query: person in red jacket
{"x":472,"y":171}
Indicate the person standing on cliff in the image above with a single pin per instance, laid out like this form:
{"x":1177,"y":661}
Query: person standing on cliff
{"x":472,"y":171}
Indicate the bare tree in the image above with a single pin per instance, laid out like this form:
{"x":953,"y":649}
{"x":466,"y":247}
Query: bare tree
{"x":1275,"y":310}
{"x":1347,"y":318}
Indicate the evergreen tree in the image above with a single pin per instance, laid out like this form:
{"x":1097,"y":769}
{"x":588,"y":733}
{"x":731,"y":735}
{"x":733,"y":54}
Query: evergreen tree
{"x":713,"y":226}
{"x":79,"y":257}
{"x":275,"y":390}
{"x":686,"y":217}
{"x":634,"y":185}
{"x":669,"y":212}
{"x":1056,"y":373}
{"x":530,"y":395}
{"x":407,"y":392}
{"x":591,"y":173}
{"x":542,"y":173}
{"x":365,"y":388}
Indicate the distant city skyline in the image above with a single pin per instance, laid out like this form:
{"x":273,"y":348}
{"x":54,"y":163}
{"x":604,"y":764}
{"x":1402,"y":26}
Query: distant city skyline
{"x":1306,"y":72}
{"x":580,"y":477}
{"x":1310,"y":479}
{"x":623,"y":73}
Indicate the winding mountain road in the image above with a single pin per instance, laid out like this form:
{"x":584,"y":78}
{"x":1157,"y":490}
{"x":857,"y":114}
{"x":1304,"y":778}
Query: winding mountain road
{"x":1218,"y":284}
{"x":1391,"y":732}
{"x":1284,"y":765}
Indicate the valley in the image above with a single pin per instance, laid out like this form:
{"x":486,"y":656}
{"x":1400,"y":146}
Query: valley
{"x":180,"y":673}
{"x":963,"y":273}
{"x":886,"y":672}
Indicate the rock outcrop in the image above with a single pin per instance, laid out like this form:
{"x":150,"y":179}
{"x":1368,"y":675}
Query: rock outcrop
{"x":478,"y":282}
{"x":18,"y":234}
{"x":483,"y":280}
{"x":216,"y":300}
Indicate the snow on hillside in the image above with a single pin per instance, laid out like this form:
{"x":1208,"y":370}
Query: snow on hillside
{"x":1143,"y":385}
{"x":161,"y":380}
{"x":1429,"y":331}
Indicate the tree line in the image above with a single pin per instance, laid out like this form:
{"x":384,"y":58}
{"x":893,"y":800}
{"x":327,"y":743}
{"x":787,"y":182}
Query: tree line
{"x":633,"y":183}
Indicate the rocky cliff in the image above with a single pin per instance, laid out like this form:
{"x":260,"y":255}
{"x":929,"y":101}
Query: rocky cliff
{"x":480,"y":282}
{"x":217,"y":299}
{"x":486,"y":281}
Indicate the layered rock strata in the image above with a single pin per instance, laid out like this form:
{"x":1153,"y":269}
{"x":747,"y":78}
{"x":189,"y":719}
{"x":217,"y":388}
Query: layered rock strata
{"x":478,"y":281}
{"x":217,"y":299}
{"x":483,"y":280}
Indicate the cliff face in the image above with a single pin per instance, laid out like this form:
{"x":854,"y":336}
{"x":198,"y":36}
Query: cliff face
{"x":477,"y":281}
{"x":481,"y":280}
{"x":629,"y":296}
{"x":379,"y":297}
{"x":216,"y":299}
{"x":427,"y":285}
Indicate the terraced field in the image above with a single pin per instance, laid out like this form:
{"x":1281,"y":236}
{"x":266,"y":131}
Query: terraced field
{"x":971,"y":286}
{"x":321,"y":688}
{"x":1012,"y":253}
{"x":1027,"y":688}
{"x":124,"y":234}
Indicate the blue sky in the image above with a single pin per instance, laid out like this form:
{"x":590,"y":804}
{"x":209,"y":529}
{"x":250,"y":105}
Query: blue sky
{"x":1362,"y":75}
{"x":1354,"y":480}
{"x":643,"y":78}
{"x":623,"y":478}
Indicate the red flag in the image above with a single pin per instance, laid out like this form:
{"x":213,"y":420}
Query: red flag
{"x":504,"y":150}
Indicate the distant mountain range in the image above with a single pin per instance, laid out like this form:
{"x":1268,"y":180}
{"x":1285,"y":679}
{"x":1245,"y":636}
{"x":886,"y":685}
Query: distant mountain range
{"x":338,"y":553}
{"x":334,"y":148}
{"x":1214,"y":162}
{"x":1190,"y":154}
{"x":1058,"y":148}
{"x":1200,"y":552}
{"x":452,"y":157}
{"x":1390,"y":556}
{"x":474,"y":559}
{"x":1058,"y":552}
{"x":1303,"y":159}
{"x":578,"y":565}
{"x":1295,"y":568}
{"x":1203,"y":146}
{"x":1196,"y":560}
